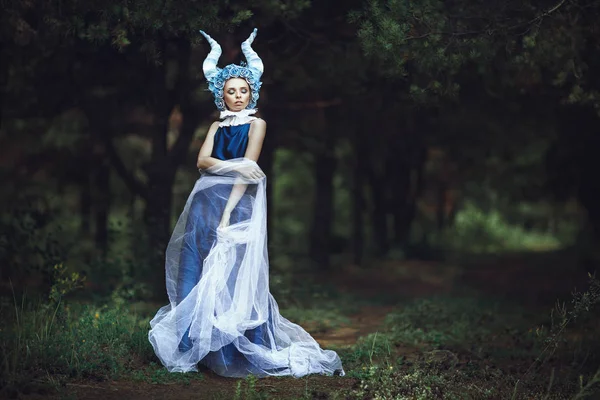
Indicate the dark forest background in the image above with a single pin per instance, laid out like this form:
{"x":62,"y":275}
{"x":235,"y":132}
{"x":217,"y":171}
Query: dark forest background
{"x":397,"y":130}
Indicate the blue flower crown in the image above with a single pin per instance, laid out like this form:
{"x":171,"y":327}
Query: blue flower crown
{"x":217,"y":77}
{"x":217,"y":83}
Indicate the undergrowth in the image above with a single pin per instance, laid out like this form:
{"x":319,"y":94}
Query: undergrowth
{"x":50,"y":340}
{"x":46,"y":342}
{"x":461,"y":349}
{"x":430,"y":348}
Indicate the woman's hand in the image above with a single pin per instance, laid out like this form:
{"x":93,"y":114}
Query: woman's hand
{"x":224,"y":220}
{"x":252,"y":172}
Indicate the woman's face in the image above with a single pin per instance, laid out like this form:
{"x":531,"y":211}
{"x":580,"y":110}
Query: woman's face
{"x":236,"y":94}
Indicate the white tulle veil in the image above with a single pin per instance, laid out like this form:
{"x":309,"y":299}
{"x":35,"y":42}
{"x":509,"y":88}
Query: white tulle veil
{"x":225,"y":316}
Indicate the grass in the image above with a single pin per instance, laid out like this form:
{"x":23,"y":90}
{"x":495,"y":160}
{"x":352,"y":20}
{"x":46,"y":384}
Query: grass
{"x":42,"y":340}
{"x":44,"y":345}
{"x":459,"y":348}
{"x":430,"y":348}
{"x":156,"y":374}
{"x":315,"y":319}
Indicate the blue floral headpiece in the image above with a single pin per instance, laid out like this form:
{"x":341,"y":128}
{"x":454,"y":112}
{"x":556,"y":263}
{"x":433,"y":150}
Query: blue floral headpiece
{"x":216,"y":77}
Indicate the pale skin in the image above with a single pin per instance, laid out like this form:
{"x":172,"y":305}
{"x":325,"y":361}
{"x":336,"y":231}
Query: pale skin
{"x":236,"y":94}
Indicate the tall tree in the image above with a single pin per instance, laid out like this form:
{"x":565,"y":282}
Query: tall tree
{"x":112,"y":60}
{"x":515,"y":51}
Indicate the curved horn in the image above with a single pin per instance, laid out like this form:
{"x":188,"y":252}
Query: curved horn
{"x":210,"y":63}
{"x":253,"y":59}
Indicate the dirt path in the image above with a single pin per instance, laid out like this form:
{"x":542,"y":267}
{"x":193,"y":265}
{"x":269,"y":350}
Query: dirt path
{"x":368,"y":320}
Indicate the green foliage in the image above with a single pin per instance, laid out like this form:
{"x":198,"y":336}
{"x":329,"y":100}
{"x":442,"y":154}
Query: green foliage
{"x":315,"y":306}
{"x":584,"y":306}
{"x":315,"y":319}
{"x":420,"y":39}
{"x":64,"y":283}
{"x":291,"y":217}
{"x":435,"y":348}
{"x":31,"y":245}
{"x":476,"y":231}
{"x":117,"y":24}
{"x":121,"y":274}
{"x":435,"y":40}
{"x":70,"y":340}
{"x":387,"y":383}
{"x":442,"y":323}
{"x":370,"y":350}
{"x":246,"y":390}
{"x":458,"y":324}
{"x":157,"y":374}
{"x":309,"y":299}
{"x":476,"y":339}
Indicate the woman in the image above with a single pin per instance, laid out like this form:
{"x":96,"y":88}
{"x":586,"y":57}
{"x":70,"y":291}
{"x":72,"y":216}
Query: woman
{"x":221,"y":312}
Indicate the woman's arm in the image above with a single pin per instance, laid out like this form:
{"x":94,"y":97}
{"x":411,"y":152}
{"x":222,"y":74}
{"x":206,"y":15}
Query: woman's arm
{"x":256,"y":137}
{"x":204,"y":159}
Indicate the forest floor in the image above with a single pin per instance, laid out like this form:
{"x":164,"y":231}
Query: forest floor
{"x":530,"y":282}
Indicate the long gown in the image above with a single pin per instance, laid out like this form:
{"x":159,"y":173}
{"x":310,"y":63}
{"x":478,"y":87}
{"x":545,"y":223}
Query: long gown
{"x":220,"y":310}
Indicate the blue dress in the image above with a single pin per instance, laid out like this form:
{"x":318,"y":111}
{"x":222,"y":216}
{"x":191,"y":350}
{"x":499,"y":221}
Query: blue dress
{"x":221,"y":313}
{"x":229,"y":142}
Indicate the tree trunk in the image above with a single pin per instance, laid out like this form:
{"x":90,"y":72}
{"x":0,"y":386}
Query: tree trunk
{"x":3,"y":79}
{"x":157,"y":213}
{"x":164,"y":163}
{"x":588,"y":192}
{"x":577,"y":162}
{"x":358,"y":201}
{"x":267,"y":158}
{"x":102,"y":205}
{"x":323,"y":210}
{"x":410,"y":152}
{"x":379,"y":212}
{"x":451,"y":217}
{"x":99,"y":179}
{"x":166,"y":88}
{"x":325,"y":163}
{"x":403,"y":203}
{"x":440,"y":212}
{"x":85,"y":207}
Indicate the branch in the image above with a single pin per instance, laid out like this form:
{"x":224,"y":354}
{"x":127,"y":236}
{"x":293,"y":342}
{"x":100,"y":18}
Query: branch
{"x":491,"y":31}
{"x":540,"y":16}
{"x":550,"y":11}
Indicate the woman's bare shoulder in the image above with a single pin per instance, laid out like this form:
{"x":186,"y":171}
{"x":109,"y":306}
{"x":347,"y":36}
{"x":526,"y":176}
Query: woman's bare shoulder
{"x":258,"y":129}
{"x":259,"y":123}
{"x":213,"y":128}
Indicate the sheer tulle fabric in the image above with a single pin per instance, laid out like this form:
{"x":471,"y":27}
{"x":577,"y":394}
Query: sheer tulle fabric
{"x":221,"y":312}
